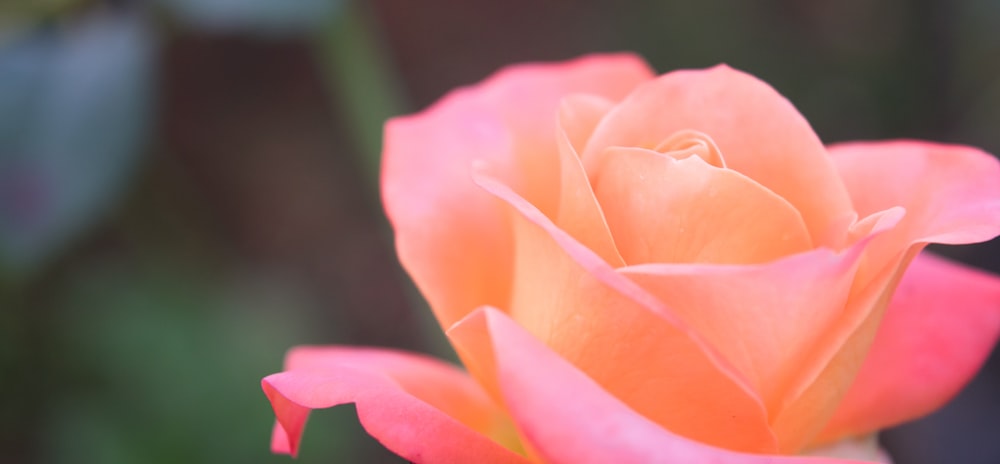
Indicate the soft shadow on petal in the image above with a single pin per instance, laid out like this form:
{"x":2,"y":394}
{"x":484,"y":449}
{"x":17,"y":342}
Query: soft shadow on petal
{"x":450,"y":235}
{"x":761,"y":134}
{"x":664,"y":210}
{"x":939,"y":328}
{"x":568,"y":418}
{"x":621,"y":336}
{"x":420,"y":408}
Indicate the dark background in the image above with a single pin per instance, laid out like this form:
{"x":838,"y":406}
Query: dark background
{"x":189,"y":187}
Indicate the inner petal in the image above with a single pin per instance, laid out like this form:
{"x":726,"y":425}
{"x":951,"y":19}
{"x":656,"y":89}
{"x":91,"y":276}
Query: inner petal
{"x":661,"y":209}
{"x":686,"y":143}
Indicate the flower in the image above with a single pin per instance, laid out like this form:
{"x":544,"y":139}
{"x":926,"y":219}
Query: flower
{"x":660,"y":269}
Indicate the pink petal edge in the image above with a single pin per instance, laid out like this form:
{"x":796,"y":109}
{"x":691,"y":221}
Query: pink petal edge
{"x":402,"y":422}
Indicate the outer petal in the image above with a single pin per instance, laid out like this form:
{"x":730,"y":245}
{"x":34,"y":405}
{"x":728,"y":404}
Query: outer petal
{"x":621,"y":336}
{"x":759,"y":132}
{"x":939,"y":328}
{"x":568,"y":418}
{"x":450,"y":235}
{"x":951,"y":193}
{"x":420,"y":408}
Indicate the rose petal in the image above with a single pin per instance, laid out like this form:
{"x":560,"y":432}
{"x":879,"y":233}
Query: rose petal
{"x":420,"y":408}
{"x":950,"y":194}
{"x":621,"y":336}
{"x":664,"y":210}
{"x":753,"y":314}
{"x":939,"y":328}
{"x":760,"y":132}
{"x":568,"y":418}
{"x":449,"y":234}
{"x":838,"y":354}
{"x":579,"y":115}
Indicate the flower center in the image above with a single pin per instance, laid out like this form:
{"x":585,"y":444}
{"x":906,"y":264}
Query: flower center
{"x":686,"y":143}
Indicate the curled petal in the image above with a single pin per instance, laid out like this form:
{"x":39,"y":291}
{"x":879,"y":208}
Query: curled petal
{"x":568,"y":418}
{"x":420,"y":408}
{"x":950,"y":192}
{"x":938,"y":330}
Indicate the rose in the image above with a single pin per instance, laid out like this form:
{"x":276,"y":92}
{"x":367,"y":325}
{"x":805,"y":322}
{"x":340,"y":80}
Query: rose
{"x":660,"y":269}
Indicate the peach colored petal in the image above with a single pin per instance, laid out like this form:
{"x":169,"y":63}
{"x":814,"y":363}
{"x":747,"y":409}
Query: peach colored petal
{"x":664,"y":210}
{"x":765,"y":319}
{"x":579,"y":115}
{"x":579,"y":214}
{"x":837,"y":355}
{"x":621,"y":336}
{"x":940,"y":326}
{"x":420,"y":408}
{"x":566,"y":417}
{"x":449,"y":234}
{"x":760,"y":133}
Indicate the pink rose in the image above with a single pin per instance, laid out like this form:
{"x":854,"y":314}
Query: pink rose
{"x":660,"y":269}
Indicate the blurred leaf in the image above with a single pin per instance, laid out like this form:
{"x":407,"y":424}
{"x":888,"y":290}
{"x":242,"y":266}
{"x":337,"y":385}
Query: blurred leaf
{"x":164,"y":366}
{"x":259,"y":16}
{"x":74,"y":110}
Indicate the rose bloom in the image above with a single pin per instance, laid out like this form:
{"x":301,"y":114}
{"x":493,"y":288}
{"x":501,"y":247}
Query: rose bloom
{"x":670,"y":269}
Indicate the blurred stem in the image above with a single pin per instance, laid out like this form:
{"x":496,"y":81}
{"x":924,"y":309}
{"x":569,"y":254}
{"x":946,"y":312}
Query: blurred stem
{"x":360,"y":76}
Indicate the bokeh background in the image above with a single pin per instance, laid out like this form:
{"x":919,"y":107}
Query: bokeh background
{"x":189,"y":187}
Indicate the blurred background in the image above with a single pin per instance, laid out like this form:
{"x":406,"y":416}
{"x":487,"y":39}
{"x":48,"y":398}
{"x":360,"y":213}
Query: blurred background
{"x":189,"y":187}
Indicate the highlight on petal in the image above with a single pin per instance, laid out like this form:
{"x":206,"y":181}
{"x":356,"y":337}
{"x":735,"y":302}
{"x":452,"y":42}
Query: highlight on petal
{"x":664,"y":210}
{"x":449,"y":234}
{"x":938,"y":330}
{"x":420,"y":408}
{"x":568,"y":418}
{"x":760,"y":133}
{"x":639,"y":351}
